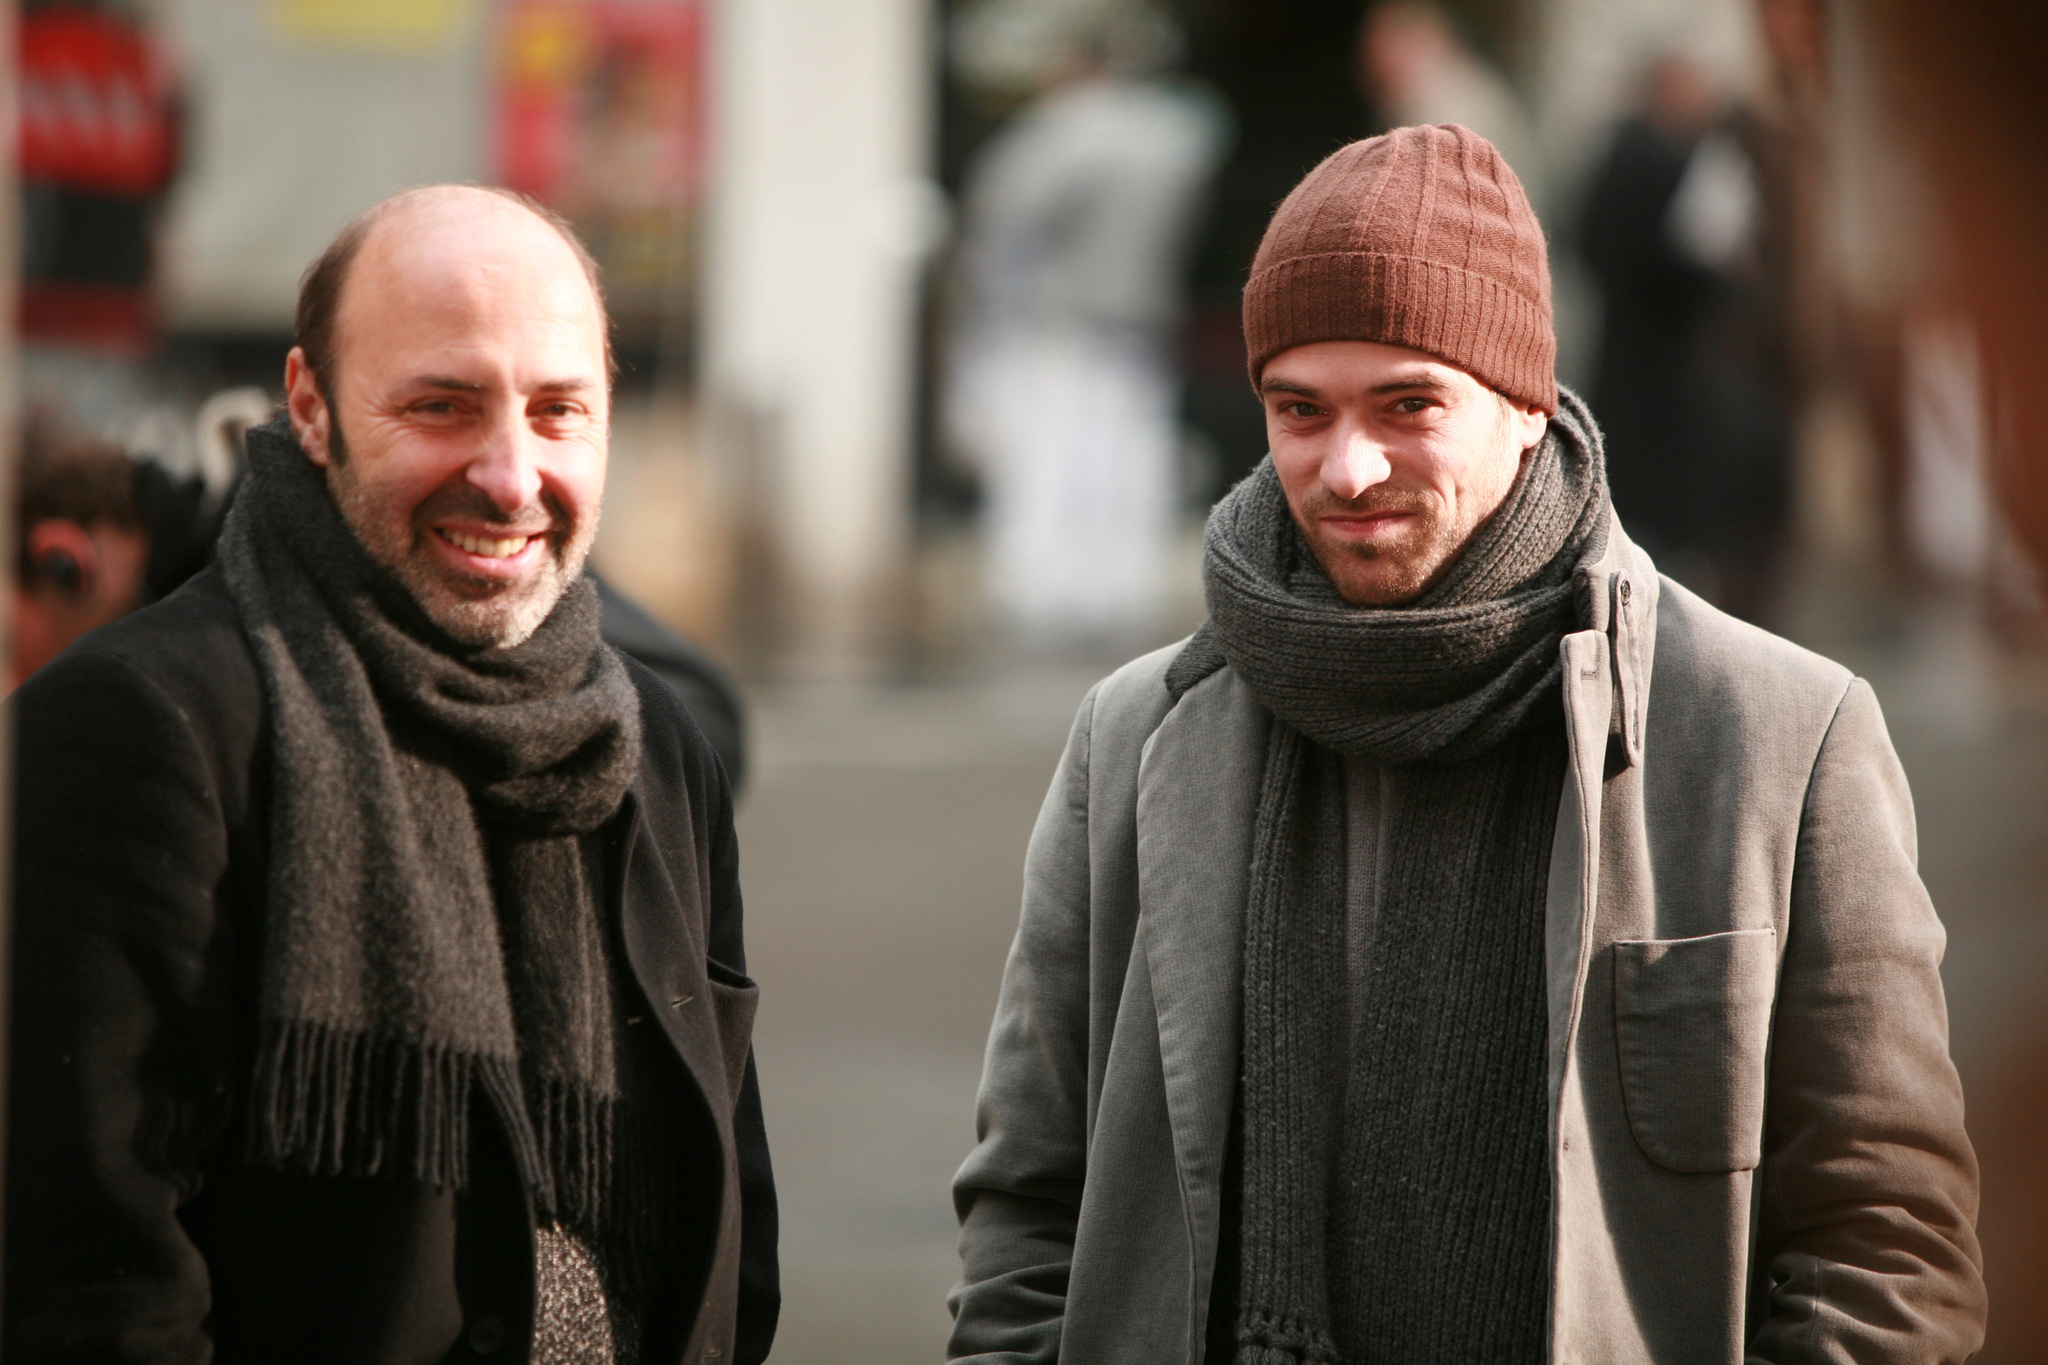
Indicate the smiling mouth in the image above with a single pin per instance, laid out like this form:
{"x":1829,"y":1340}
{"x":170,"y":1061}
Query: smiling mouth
{"x":1366,"y":521}
{"x":487,"y":547}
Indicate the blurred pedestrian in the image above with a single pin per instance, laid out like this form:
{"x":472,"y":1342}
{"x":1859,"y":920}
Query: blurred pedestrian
{"x":1468,"y":945}
{"x":378,"y":986}
{"x":1063,"y":387}
{"x":82,"y":546}
{"x":1691,"y":386}
{"x":1414,"y":68}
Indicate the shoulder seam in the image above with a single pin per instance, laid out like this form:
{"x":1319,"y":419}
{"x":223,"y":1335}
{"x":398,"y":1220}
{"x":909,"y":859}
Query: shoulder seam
{"x":1827,"y":733}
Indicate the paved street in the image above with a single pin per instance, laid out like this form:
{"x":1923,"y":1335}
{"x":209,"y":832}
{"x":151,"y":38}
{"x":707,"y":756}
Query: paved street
{"x":881,"y":849}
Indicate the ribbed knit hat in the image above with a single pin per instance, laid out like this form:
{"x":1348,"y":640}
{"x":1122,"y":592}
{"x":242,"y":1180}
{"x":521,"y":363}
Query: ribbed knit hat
{"x":1423,"y":238}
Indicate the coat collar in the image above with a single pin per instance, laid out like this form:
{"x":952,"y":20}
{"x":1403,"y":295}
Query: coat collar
{"x":1617,"y":596}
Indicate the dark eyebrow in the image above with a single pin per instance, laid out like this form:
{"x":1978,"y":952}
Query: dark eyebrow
{"x":442,"y":381}
{"x":1419,"y":383}
{"x":1427,"y":383}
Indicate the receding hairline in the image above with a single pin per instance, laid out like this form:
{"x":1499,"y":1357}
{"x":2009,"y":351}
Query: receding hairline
{"x":427,"y":197}
{"x":325,"y":281}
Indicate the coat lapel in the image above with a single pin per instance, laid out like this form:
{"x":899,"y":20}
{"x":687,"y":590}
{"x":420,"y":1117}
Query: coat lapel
{"x":1606,"y":690}
{"x":664,"y":955}
{"x":1198,"y":789}
{"x":1606,"y":685}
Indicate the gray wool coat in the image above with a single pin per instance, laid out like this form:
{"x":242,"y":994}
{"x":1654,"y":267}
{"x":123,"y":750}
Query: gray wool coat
{"x":1757,"y":1145}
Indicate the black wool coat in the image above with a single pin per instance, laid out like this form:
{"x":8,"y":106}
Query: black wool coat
{"x":135,"y":1231}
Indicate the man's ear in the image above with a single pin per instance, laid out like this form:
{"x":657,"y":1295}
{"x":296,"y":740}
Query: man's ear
{"x":307,"y":407}
{"x":1529,"y":425}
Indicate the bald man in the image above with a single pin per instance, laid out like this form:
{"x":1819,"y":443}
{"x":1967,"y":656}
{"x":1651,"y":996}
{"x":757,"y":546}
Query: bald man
{"x":379,"y":987}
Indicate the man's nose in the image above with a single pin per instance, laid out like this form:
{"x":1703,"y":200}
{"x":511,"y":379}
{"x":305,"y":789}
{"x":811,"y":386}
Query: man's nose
{"x":507,"y":469}
{"x":1357,"y":464}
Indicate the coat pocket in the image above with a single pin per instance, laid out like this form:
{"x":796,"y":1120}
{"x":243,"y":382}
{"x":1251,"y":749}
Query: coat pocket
{"x":733,"y":1000}
{"x":1692,"y":1022}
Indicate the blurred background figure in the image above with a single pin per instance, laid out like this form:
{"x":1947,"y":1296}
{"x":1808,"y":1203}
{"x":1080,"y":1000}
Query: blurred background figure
{"x":1413,"y":67}
{"x":1063,"y":386}
{"x":100,"y":533}
{"x":700,"y":683}
{"x":1689,"y":387}
{"x":83,"y":547}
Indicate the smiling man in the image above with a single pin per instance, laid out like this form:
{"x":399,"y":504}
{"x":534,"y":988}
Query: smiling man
{"x":379,"y":991}
{"x":1468,"y":946}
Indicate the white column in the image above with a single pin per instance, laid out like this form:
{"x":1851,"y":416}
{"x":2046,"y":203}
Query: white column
{"x":818,"y":222}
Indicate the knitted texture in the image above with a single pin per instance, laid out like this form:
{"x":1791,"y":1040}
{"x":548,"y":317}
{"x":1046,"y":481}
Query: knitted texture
{"x":1442,"y":678}
{"x":1421,"y":237}
{"x":1439,"y":1212}
{"x":1394,"y":1193}
{"x":430,"y":929}
{"x":432,"y":934}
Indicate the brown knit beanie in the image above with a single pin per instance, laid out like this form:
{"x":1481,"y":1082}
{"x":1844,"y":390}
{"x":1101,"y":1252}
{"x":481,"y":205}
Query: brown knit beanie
{"x":1422,"y":238}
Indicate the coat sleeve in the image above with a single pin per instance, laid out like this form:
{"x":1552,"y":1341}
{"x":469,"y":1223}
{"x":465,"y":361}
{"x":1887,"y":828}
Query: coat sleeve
{"x":121,"y":1018}
{"x":1869,"y":1184}
{"x":1019,"y":1193}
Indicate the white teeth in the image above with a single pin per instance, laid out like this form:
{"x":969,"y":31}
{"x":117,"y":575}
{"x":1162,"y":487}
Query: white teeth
{"x":489,"y":549}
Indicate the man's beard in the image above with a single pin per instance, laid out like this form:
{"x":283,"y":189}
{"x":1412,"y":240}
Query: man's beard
{"x":1425,"y":550}
{"x":490,"y":614}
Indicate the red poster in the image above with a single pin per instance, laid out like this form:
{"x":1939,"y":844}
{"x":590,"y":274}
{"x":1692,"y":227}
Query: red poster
{"x":96,"y":104}
{"x":600,"y":104}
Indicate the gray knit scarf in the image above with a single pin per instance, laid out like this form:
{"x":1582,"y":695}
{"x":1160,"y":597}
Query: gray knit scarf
{"x":1443,"y":681}
{"x":431,"y":933}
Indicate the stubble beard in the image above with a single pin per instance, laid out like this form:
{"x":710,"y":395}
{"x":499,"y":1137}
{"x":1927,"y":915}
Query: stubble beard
{"x":1424,"y":556}
{"x":478,"y":613}
{"x":1373,"y":575}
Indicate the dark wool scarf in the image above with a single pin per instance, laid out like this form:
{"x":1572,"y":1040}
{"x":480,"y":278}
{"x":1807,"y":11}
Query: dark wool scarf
{"x":431,"y":932}
{"x":1393,"y":1191}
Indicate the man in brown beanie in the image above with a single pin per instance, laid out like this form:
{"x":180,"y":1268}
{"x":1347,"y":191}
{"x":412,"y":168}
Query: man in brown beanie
{"x":1468,"y":946}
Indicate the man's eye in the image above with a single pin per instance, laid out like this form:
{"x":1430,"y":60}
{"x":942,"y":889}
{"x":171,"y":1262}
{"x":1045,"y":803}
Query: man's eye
{"x":1300,"y":409}
{"x":1411,"y":405}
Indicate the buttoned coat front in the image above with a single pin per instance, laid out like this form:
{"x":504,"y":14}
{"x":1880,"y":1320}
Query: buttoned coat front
{"x":1756,"y":1135}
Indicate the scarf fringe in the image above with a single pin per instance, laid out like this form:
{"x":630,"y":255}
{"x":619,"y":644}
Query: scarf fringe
{"x":331,"y":1101}
{"x":334,"y":1101}
{"x":1263,"y":1340}
{"x":576,"y":1150}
